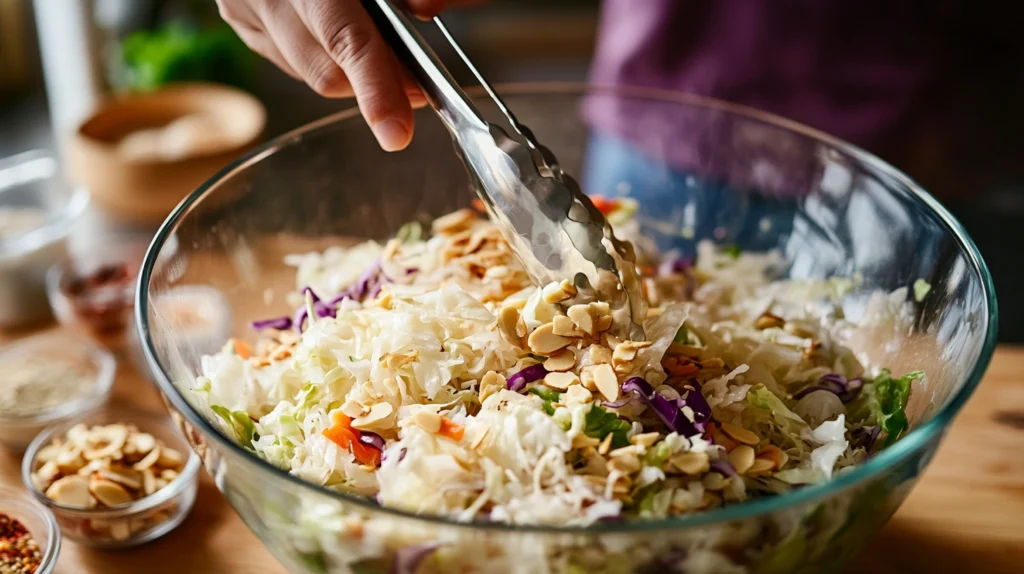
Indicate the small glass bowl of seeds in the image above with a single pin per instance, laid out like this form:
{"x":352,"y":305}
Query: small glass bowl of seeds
{"x":49,"y":379}
{"x":113,"y":479}
{"x":29,"y":535}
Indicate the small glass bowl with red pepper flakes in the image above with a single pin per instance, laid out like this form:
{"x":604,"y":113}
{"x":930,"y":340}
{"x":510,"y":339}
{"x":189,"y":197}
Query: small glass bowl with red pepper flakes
{"x":29,"y":536}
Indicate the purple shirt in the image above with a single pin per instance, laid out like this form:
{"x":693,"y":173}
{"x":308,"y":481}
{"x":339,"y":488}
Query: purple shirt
{"x":851,"y":68}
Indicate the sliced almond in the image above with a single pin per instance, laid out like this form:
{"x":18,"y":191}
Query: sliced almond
{"x":48,"y":471}
{"x":126,"y":477}
{"x":607,"y":382}
{"x":561,"y":361}
{"x":452,"y":222}
{"x":774,"y":455}
{"x":626,"y":462}
{"x":692,"y":463}
{"x":560,"y":381}
{"x":428,"y":420}
{"x":490,"y":384}
{"x":379,"y":417}
{"x":71,"y":491}
{"x":106,"y":442}
{"x":741,"y":458}
{"x":768,"y":321}
{"x":580,"y":315}
{"x":508,"y":318}
{"x":587,"y":377}
{"x":555,"y":293}
{"x":606,"y":444}
{"x":78,"y":435}
{"x":564,"y":327}
{"x":108,"y":492}
{"x":714,"y":481}
{"x":760,"y":466}
{"x":170,"y":458}
{"x":645,"y":439}
{"x":599,"y":355}
{"x":120,"y":530}
{"x":740,"y":434}
{"x":479,"y":439}
{"x":543,"y":341}
{"x":148,"y":481}
{"x":604,"y":323}
{"x":583,"y":441}
{"x":578,"y":395}
{"x":48,"y":453}
{"x":149,"y":460}
{"x":168,"y":474}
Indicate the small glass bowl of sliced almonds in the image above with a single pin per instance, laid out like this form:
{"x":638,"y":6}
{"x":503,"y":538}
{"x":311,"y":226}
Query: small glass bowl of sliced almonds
{"x":113,"y":479}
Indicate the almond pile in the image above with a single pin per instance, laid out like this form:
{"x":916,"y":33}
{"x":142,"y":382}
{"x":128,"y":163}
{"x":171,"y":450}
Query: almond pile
{"x":104,"y":466}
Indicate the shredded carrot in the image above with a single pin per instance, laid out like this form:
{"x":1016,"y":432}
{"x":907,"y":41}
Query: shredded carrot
{"x":478,"y":205}
{"x":604,"y":204}
{"x":683,"y":370}
{"x":342,"y":434}
{"x":452,"y":429}
{"x":242,"y":349}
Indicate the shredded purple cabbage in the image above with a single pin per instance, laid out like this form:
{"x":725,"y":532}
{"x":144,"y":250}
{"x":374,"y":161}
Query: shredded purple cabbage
{"x":723,"y":467}
{"x":846,"y":390}
{"x":865,"y":437}
{"x":518,"y":381}
{"x":371,"y":439}
{"x":278,"y":323}
{"x":696,"y":401}
{"x":407,"y":559}
{"x":621,"y":402}
{"x":668,"y":411}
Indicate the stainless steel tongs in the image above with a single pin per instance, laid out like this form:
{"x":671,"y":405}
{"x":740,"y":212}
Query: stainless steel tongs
{"x":555,"y":230}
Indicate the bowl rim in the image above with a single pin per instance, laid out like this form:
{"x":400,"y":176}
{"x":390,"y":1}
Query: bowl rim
{"x":103,"y":380}
{"x":111,"y":415}
{"x":50,"y":554}
{"x":859,"y":474}
{"x":57,"y":224}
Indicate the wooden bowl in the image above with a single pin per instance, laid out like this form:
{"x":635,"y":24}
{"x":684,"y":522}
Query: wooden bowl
{"x":144,"y":187}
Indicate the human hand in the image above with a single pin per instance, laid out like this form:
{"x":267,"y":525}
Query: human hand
{"x":335,"y":48}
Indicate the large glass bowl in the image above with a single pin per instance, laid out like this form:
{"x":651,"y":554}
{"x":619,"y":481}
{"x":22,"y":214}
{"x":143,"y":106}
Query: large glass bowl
{"x":700,"y":169}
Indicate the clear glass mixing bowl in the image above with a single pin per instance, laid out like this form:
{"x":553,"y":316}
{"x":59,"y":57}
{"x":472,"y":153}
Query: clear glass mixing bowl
{"x":700,"y":169}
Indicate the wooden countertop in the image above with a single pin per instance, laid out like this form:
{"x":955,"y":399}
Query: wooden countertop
{"x":966,"y":514}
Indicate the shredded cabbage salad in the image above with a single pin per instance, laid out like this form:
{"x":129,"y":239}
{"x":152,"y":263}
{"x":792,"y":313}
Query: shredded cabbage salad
{"x":430,"y":374}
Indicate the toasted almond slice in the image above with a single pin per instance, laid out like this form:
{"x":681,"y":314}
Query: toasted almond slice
{"x":108,"y":492}
{"x":126,"y":477}
{"x":605,"y":445}
{"x":623,"y":353}
{"x":72,"y":491}
{"x":760,"y":466}
{"x":490,"y":384}
{"x":543,"y":341}
{"x":740,"y":434}
{"x":106,"y":442}
{"x":48,"y":453}
{"x":69,"y":459}
{"x":600,"y":355}
{"x":379,"y":417}
{"x":768,"y":321}
{"x":508,"y":319}
{"x":692,"y":463}
{"x":607,"y":382}
{"x":170,"y":458}
{"x":582,"y":441}
{"x":741,"y":458}
{"x":564,"y":327}
{"x":604,"y":323}
{"x":428,"y":420}
{"x":561,"y":361}
{"x":578,"y":395}
{"x":168,"y":474}
{"x":78,"y":435}
{"x":581,"y":317}
{"x":149,"y":460}
{"x":645,"y":439}
{"x":627,"y":463}
{"x":148,"y":481}
{"x":455,"y":221}
{"x":560,"y":381}
{"x":587,"y":377}
{"x":714,"y":481}
{"x":772,"y":453}
{"x":120,"y":530}
{"x":48,"y":471}
{"x":554,"y":293}
{"x":479,"y":438}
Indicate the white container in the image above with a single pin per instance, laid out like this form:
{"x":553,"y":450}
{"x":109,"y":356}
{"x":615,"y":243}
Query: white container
{"x":32,"y":191}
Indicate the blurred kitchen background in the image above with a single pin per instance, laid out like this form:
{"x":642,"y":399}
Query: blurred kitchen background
{"x":59,"y":58}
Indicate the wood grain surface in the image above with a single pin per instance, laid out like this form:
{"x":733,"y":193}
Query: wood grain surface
{"x":966,"y":515}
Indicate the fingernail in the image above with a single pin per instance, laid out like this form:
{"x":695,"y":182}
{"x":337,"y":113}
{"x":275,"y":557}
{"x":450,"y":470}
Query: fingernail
{"x":391,"y":134}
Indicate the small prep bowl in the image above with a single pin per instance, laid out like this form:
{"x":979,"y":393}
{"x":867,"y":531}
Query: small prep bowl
{"x":30,"y":183}
{"x":17,"y":431}
{"x":40,"y":524}
{"x":134,"y":523}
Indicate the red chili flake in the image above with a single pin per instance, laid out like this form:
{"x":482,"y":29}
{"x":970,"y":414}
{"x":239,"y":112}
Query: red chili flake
{"x":19,"y":553}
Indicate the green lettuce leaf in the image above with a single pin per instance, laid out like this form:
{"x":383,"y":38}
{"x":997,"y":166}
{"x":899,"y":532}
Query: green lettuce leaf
{"x":884,"y":401}
{"x":549,"y":396}
{"x":239,"y":423}
{"x":599,"y":423}
{"x":762,"y":398}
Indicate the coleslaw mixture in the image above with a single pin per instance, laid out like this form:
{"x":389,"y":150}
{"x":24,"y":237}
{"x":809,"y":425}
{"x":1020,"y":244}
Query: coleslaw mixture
{"x":430,"y":374}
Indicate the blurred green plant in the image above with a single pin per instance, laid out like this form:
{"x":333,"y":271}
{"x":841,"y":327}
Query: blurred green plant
{"x":179,"y":53}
